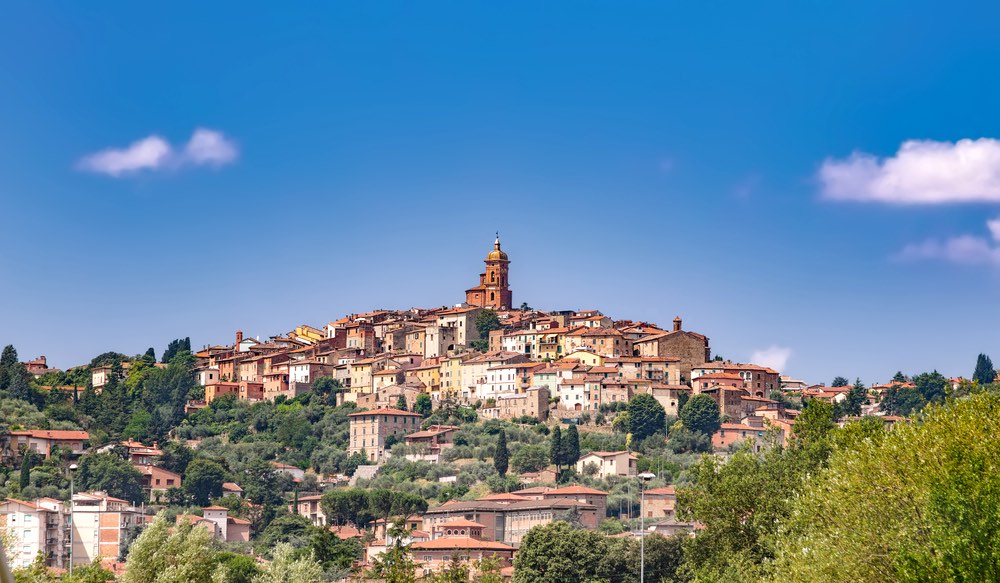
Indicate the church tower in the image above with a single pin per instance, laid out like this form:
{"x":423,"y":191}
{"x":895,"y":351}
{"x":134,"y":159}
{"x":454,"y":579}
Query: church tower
{"x":493,"y":290}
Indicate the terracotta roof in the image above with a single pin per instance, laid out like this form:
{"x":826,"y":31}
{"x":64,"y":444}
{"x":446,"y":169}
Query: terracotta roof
{"x":215,"y":508}
{"x":460,"y":542}
{"x":664,"y":491}
{"x":231,"y":486}
{"x":740,"y":426}
{"x":574,"y":490}
{"x":53,"y":434}
{"x":460,"y":522}
{"x":149,"y":470}
{"x":432,"y":431}
{"x":724,"y":376}
{"x":503,"y":497}
{"x":396,"y":412}
{"x":609,"y":453}
{"x":531,"y":491}
{"x":346,"y":531}
{"x":21,"y":502}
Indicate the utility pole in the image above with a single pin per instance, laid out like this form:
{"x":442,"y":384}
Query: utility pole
{"x":72,"y":536}
{"x":644,"y":478}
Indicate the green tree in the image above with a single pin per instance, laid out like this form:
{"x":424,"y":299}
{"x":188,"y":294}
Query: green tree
{"x":664,"y":560}
{"x":289,"y":568}
{"x":744,"y":502}
{"x":530,"y":458}
{"x":352,"y":462}
{"x":701,"y":414}
{"x":176,"y":457}
{"x":934,"y":519}
{"x":401,"y":403}
{"x":899,"y":377}
{"x":395,"y":565}
{"x":556,"y":448}
{"x":456,"y":571}
{"x":203,"y":481}
{"x":840,"y":382}
{"x":326,"y":385}
{"x":856,"y":397}
{"x":932,"y":386}
{"x":645,"y":416}
{"x":423,"y":405}
{"x":138,"y":426}
{"x":166,"y":553}
{"x":571,"y":447}
{"x":262,"y":487}
{"x":815,"y":422}
{"x":288,"y":528}
{"x":25,"y":474}
{"x":381,"y":502}
{"x":20,"y":386}
{"x":557,"y":553}
{"x":7,"y":360}
{"x":901,"y":401}
{"x":235,"y":568}
{"x":331,"y":551}
{"x":174,"y":348}
{"x":347,"y":506}
{"x":984,"y":373}
{"x":501,"y":456}
{"x":486,"y":322}
{"x":112,"y":474}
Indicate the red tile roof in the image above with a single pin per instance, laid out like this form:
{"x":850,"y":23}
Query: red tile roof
{"x":396,"y":412}
{"x":461,"y":522}
{"x":574,"y":490}
{"x":460,"y":542}
{"x":664,"y":491}
{"x":53,"y":434}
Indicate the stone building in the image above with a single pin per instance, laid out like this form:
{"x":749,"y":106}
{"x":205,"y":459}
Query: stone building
{"x":370,"y":429}
{"x":690,"y":347}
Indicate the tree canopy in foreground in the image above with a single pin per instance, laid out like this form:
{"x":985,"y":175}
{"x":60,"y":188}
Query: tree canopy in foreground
{"x":918,"y":504}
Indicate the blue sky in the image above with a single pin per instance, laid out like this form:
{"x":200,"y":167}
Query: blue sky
{"x":645,"y":159}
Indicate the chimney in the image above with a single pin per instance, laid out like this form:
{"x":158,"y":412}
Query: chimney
{"x":239,"y":337}
{"x":677,"y":324}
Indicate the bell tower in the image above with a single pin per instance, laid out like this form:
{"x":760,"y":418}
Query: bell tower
{"x":493,"y":290}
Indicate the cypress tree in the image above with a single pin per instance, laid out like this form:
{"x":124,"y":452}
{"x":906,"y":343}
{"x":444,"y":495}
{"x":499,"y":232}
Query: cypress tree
{"x":501,"y":457}
{"x":556,"y":448}
{"x":25,"y":480}
{"x":571,"y":446}
{"x":401,"y":403}
{"x":7,"y":360}
{"x":985,"y":373}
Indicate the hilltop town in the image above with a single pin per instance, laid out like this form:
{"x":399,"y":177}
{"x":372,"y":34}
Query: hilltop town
{"x":443,"y":443}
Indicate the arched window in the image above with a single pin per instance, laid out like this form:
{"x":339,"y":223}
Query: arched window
{"x":493,"y":276}
{"x":493,"y":296}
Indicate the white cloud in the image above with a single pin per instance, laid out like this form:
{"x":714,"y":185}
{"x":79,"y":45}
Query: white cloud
{"x":205,"y":148}
{"x":145,"y":154}
{"x":921,"y":172}
{"x":964,"y":249}
{"x":773,"y":356}
{"x":209,"y":147}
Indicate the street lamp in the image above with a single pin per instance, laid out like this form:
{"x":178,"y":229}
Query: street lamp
{"x":644,"y":478}
{"x":72,"y":469}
